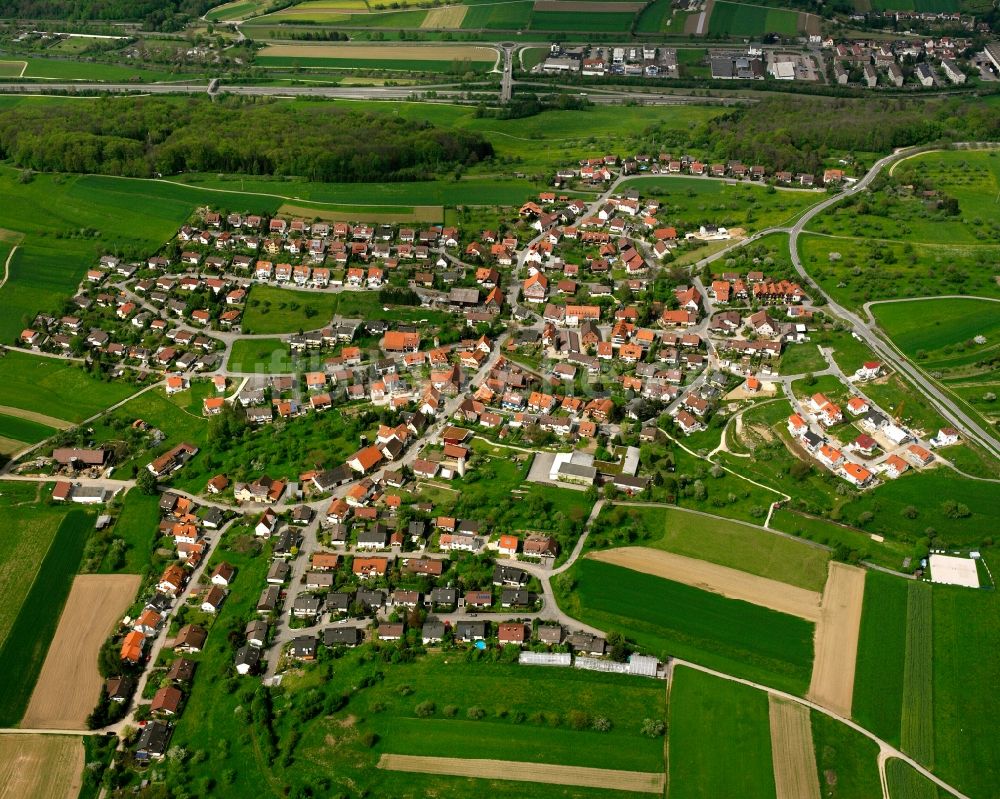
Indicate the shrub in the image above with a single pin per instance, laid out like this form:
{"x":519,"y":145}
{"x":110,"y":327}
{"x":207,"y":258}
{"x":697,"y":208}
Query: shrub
{"x":425,"y":709}
{"x":602,"y":724}
{"x":475,"y":713}
{"x":653,"y":728}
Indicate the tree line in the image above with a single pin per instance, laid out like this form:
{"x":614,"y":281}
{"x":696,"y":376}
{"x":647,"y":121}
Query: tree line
{"x":145,"y":137}
{"x":162,"y":15}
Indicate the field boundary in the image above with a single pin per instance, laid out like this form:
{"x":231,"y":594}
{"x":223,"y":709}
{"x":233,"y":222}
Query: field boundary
{"x":419,"y":213}
{"x":716,"y":579}
{"x":520,"y":771}
{"x":34,"y":416}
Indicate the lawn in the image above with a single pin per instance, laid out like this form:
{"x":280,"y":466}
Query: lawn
{"x":966,"y":703}
{"x":264,"y":355}
{"x":25,"y":430}
{"x":55,"y":388}
{"x":27,"y":641}
{"x":847,"y":760}
{"x":737,"y":19}
{"x":799,"y":359}
{"x":30,"y":525}
{"x":878,"y":678}
{"x":728,"y":543}
{"x":719,"y":739}
{"x":668,"y":618}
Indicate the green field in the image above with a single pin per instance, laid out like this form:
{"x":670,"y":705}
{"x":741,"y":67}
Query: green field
{"x":581,"y":22}
{"x":138,"y":526}
{"x":878,"y":678}
{"x":655,"y":18}
{"x":737,"y":19}
{"x":238,"y":9}
{"x":28,"y":639}
{"x":665,"y":617}
{"x":687,"y":202}
{"x":935,"y":327}
{"x":966,"y":706}
{"x":917,"y":728}
{"x":55,"y":388}
{"x":60,"y":69}
{"x":846,"y":760}
{"x":720,"y":739}
{"x":25,"y":430}
{"x":906,"y":783}
{"x":802,"y":358}
{"x":458,"y":66}
{"x":498,"y":16}
{"x":932,"y":6}
{"x":728,"y":543}
{"x":266,"y":355}
{"x":30,"y":525}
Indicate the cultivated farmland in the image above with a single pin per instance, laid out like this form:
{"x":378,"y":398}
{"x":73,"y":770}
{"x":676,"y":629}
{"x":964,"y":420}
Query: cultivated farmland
{"x":917,"y":732}
{"x":69,"y":684}
{"x":737,"y":19}
{"x":394,"y":56}
{"x":846,"y":759}
{"x":26,"y":644}
{"x":666,"y":617}
{"x":728,"y":582}
{"x":878,"y":677}
{"x":906,"y":783}
{"x":934,"y":327}
{"x":40,"y":767}
{"x":792,"y":750}
{"x":447,"y":17}
{"x":498,"y":16}
{"x":589,"y":22}
{"x":832,"y":683}
{"x":719,"y":739}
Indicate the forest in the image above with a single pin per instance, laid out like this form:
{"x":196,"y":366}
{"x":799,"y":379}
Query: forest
{"x":145,"y":137}
{"x":164,"y":15}
{"x":797,"y":133}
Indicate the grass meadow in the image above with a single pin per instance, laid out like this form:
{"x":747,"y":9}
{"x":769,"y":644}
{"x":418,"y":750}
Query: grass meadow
{"x":935,"y":327}
{"x":55,"y":388}
{"x":917,"y":727}
{"x":878,"y":678}
{"x":668,"y":618}
{"x":906,"y":783}
{"x":889,"y":554}
{"x":847,"y":760}
{"x":457,"y":66}
{"x":27,"y":641}
{"x":966,"y":704}
{"x":739,"y":546}
{"x":719,"y":739}
{"x":498,"y":16}
{"x":138,"y":526}
{"x":24,"y":430}
{"x":581,"y":22}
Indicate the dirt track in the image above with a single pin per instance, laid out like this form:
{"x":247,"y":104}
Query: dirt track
{"x":40,"y":767}
{"x":69,"y":684}
{"x":730,"y":583}
{"x":792,"y":752}
{"x":639,"y":781}
{"x":832,"y":684}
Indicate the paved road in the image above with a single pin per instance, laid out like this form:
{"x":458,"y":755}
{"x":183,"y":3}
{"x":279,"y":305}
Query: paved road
{"x":867,"y":331}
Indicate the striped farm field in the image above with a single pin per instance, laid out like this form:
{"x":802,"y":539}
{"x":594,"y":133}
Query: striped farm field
{"x":447,"y":17}
{"x":407,"y":57}
{"x":581,"y":22}
{"x":917,"y":735}
{"x":498,"y":16}
{"x":738,"y":19}
{"x":586,"y":6}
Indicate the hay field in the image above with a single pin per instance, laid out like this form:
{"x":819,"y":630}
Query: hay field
{"x":792,"y":750}
{"x":13,"y":69}
{"x":447,"y":17}
{"x":390,"y":52}
{"x":639,"y":781}
{"x":837,"y":632}
{"x":69,"y":684}
{"x":40,"y":767}
{"x":34,"y":416}
{"x":730,"y":583}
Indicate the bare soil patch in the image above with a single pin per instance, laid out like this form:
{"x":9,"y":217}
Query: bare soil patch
{"x":586,"y":7}
{"x":832,"y":684}
{"x":389,"y":52}
{"x":69,"y":684}
{"x":40,"y":767}
{"x":730,"y":583}
{"x":792,"y":752}
{"x":32,"y":416}
{"x":516,"y":771}
{"x":447,"y":17}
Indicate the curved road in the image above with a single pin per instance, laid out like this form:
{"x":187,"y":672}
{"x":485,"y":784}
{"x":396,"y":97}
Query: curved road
{"x":867,"y":330}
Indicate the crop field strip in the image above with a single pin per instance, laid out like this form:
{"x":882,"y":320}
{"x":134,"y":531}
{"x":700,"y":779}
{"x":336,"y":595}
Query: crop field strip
{"x":40,"y":766}
{"x":730,"y":583}
{"x":69,"y":684}
{"x":27,"y":643}
{"x":905,"y":782}
{"x":792,"y":750}
{"x":447,"y":17}
{"x":720,"y":740}
{"x":917,"y":729}
{"x":637,"y":781}
{"x":832,"y":683}
{"x":669,"y":618}
{"x":878,"y":680}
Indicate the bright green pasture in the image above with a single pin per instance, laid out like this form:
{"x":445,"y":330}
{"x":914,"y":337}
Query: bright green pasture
{"x":737,"y":19}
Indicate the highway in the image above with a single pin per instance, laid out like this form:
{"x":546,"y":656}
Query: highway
{"x":867,"y":330}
